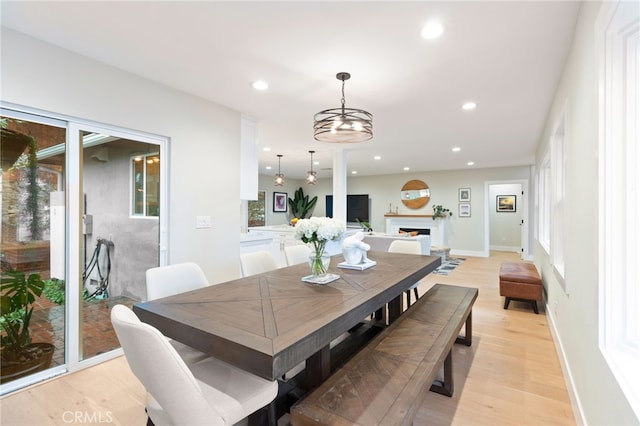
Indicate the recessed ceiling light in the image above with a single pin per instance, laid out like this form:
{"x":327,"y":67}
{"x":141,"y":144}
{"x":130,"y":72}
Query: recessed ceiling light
{"x":377,"y":157}
{"x":455,"y":149}
{"x":260,"y":85}
{"x":266,"y":149}
{"x":354,"y":172}
{"x":315,"y":163}
{"x":470,"y":163}
{"x":406,"y":169}
{"x":431,"y":30}
{"x":268,"y":167}
{"x":468,"y":106}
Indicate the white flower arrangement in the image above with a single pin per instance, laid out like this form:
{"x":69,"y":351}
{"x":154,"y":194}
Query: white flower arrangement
{"x":319,"y":230}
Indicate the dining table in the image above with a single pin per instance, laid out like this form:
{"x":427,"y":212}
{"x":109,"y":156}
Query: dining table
{"x":268,"y":323}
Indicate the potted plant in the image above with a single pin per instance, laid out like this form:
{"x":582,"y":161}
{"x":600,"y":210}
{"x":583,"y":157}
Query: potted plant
{"x":19,"y":356}
{"x":301,"y":205}
{"x":439,"y":211}
{"x":366,"y":226}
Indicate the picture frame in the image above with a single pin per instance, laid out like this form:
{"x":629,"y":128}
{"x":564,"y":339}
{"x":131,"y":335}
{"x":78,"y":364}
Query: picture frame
{"x":464,"y":194}
{"x":464,"y":210}
{"x":280,"y":204}
{"x":506,"y":203}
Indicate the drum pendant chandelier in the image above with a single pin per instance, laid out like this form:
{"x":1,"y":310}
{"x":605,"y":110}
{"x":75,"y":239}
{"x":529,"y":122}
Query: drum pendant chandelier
{"x":343,"y":125}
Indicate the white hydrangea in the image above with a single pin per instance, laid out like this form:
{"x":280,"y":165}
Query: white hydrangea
{"x":320,"y":229}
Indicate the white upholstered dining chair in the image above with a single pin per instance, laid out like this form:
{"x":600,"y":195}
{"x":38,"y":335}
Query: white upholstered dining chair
{"x":297,"y":253}
{"x":407,"y":247}
{"x":257,"y":262}
{"x":209,"y":392}
{"x":165,"y":281}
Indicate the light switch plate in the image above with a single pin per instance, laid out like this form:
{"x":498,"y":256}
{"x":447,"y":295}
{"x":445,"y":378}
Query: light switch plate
{"x":203,"y":222}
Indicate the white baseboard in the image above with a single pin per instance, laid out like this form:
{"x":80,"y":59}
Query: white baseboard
{"x":505,"y":248}
{"x":578,"y":412}
{"x":468,"y":253}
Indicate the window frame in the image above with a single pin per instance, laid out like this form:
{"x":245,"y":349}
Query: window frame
{"x":132,"y":186}
{"x":543,"y":191}
{"x":617,"y":33}
{"x":559,"y":143}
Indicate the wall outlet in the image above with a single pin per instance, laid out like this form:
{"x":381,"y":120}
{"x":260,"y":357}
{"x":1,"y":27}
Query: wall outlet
{"x":203,"y":222}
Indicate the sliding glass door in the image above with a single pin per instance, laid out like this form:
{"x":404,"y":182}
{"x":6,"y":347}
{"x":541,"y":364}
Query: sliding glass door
{"x":121,"y":229}
{"x":82,"y":220}
{"x":32,"y":245}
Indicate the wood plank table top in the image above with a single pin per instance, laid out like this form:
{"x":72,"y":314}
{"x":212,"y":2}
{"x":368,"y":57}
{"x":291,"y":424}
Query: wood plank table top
{"x":268,"y":323}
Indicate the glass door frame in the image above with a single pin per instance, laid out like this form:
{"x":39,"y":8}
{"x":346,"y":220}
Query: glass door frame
{"x":73,"y":226}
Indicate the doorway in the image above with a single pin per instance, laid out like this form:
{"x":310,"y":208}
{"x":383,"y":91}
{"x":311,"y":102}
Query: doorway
{"x":506,"y":219}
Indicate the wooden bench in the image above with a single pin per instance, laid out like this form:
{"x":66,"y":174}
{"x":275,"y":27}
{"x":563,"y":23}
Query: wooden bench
{"x":520,"y":281}
{"x":386,"y":382}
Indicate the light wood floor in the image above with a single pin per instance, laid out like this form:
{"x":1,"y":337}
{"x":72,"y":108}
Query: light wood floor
{"x":509,"y":376}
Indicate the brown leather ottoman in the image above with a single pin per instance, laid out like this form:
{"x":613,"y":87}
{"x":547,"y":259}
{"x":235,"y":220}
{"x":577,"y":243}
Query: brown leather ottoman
{"x":520,"y":281}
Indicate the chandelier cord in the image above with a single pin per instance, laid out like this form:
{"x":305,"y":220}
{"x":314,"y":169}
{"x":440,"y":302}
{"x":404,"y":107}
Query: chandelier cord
{"x":342,"y":100}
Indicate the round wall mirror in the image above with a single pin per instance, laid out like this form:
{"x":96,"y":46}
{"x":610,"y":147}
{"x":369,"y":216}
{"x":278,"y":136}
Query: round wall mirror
{"x":415,"y":194}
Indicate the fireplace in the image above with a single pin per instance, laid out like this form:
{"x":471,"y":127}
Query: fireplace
{"x":436,"y":228}
{"x":420,"y":231}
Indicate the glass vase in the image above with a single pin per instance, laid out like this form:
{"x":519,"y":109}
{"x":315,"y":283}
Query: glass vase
{"x":319,"y":263}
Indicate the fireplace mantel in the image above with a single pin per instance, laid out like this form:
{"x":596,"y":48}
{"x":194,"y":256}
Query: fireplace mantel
{"x":393,"y":222}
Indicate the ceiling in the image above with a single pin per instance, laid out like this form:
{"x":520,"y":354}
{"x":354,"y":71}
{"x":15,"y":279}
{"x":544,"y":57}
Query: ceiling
{"x":505,"y":56}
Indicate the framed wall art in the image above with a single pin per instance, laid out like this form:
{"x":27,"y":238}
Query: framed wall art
{"x":464,"y":210}
{"x":505,"y":203}
{"x":279,"y":202}
{"x":464,"y":194}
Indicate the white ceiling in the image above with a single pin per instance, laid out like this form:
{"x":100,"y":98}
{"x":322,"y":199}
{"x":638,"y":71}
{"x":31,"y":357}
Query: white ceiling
{"x":506,"y":56}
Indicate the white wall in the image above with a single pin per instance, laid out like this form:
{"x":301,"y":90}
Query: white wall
{"x":204,"y":138}
{"x":575,"y":316}
{"x":466,"y":235}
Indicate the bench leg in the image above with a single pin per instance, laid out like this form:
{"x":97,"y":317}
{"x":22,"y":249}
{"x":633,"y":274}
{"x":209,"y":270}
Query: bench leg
{"x":445,"y":387}
{"x":466,"y":339}
{"x":506,"y":302}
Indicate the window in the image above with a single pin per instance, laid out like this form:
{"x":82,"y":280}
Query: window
{"x":256,"y":210}
{"x":543,"y":192}
{"x":145,"y":188}
{"x":618,"y":35}
{"x":558,"y":234}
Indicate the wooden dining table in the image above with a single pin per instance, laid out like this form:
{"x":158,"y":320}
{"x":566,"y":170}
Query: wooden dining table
{"x":268,"y":323}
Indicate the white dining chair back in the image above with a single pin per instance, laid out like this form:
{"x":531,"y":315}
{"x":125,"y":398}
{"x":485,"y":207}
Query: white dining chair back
{"x":257,"y":262}
{"x":407,"y":247}
{"x":164,"y":281}
{"x":210,"y":392}
{"x":295,"y":254}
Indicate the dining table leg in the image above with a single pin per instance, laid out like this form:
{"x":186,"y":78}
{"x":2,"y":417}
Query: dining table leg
{"x":395,"y":308}
{"x":318,"y":368}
